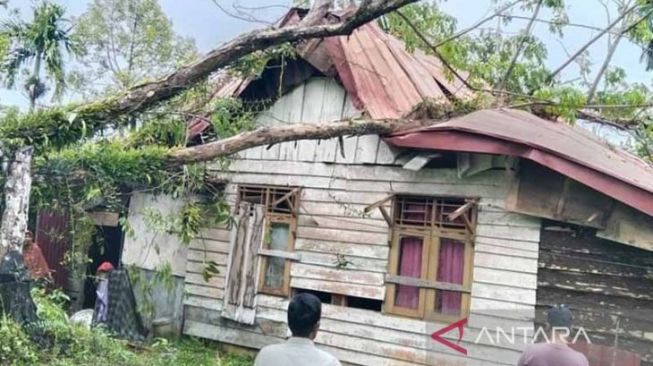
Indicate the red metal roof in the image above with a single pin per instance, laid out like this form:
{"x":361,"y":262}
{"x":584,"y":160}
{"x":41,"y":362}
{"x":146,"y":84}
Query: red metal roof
{"x":382,"y":78}
{"x":569,"y":150}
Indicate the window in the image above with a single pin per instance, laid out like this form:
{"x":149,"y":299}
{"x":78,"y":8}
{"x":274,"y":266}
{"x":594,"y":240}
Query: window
{"x":431,"y":257}
{"x":343,"y":300}
{"x":281,"y":205}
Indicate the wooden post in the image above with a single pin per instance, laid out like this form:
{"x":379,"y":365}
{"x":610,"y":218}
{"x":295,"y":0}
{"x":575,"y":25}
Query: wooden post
{"x":17,"y":190}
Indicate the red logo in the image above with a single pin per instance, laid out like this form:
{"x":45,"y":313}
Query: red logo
{"x":460,"y":325}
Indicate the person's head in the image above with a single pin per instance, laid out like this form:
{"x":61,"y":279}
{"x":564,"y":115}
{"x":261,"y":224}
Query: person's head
{"x":104,"y":269}
{"x":304,"y":312}
{"x":560,"y":319}
{"x":29,"y":238}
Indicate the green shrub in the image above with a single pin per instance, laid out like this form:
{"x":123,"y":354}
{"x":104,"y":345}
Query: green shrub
{"x":15,"y":346}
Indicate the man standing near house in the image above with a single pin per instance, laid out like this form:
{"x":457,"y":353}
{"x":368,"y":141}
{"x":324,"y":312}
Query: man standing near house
{"x":557,"y":352}
{"x":304,"y":312}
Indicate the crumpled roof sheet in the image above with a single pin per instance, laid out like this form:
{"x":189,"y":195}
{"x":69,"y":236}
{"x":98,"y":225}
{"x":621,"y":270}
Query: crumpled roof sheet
{"x":382,"y":78}
{"x":570,"y":150}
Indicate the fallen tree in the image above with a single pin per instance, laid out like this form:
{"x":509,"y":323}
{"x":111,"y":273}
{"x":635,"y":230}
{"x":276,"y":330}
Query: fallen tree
{"x":60,"y":126}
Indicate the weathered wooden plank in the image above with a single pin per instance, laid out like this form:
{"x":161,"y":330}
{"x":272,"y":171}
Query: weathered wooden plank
{"x":318,"y":233}
{"x":198,"y":279}
{"x":502,"y":309}
{"x":291,"y":113}
{"x":242,"y":276}
{"x":219,"y":234}
{"x":530,"y":246}
{"x":366,"y":149}
{"x":367,"y":172}
{"x":347,"y":249}
{"x":314,"y":90}
{"x":514,"y":264}
{"x":511,"y":233}
{"x":356,"y":263}
{"x":238,"y":337}
{"x":201,"y":256}
{"x":198,"y":267}
{"x":302,"y":270}
{"x":270,"y":118}
{"x":386,"y":155}
{"x":504,"y":293}
{"x":204,"y":291}
{"x":365,"y":291}
{"x":418,"y":282}
{"x":280,"y":254}
{"x":344,"y":223}
{"x":209,"y":245}
{"x":332,"y":110}
{"x":203,"y":302}
{"x":510,"y":252}
{"x":507,"y":278}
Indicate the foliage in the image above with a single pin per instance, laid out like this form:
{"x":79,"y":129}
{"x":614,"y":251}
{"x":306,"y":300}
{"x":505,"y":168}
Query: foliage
{"x":42,"y":40}
{"x":15,"y":346}
{"x":486,"y":55}
{"x":126,"y":42}
{"x":71,"y":344}
{"x":254,"y":64}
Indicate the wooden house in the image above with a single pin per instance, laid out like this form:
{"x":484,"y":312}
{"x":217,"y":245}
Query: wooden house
{"x":482,"y":221}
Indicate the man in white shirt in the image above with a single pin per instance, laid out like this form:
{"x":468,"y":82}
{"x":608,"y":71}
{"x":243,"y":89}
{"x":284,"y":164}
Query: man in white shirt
{"x":304,"y":312}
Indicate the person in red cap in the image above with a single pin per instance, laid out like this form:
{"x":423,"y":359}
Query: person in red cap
{"x":102,"y":292}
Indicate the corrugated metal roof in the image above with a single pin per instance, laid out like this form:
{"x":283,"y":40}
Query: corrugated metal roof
{"x":383,"y":79}
{"x":570,"y":150}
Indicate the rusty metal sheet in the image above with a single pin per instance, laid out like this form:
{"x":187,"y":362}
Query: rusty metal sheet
{"x":53,"y":239}
{"x":374,"y":67}
{"x":566,"y":149}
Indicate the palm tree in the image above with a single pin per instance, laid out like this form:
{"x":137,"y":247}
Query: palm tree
{"x":40,"y":42}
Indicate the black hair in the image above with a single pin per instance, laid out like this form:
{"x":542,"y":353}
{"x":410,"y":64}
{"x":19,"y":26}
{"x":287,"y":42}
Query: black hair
{"x":304,"y":311}
{"x":560,"y":316}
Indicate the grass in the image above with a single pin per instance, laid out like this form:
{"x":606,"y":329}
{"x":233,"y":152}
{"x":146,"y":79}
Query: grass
{"x":61,"y":344}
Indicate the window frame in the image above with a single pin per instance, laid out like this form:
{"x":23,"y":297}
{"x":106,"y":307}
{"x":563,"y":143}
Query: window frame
{"x":272,"y":217}
{"x":428,"y":285}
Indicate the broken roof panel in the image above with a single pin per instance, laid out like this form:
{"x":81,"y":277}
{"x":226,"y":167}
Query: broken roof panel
{"x":374,"y":67}
{"x":570,"y":150}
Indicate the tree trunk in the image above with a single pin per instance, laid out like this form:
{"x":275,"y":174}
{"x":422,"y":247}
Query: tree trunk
{"x":36,"y":75}
{"x":17,"y":191}
{"x":294,"y":132}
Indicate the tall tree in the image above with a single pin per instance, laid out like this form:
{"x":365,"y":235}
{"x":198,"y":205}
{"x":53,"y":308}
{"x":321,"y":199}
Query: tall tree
{"x":39,"y":44}
{"x":127,"y":41}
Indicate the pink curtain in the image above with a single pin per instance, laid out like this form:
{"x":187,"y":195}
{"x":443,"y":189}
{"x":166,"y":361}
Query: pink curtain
{"x":410,"y":265}
{"x":450,"y":269}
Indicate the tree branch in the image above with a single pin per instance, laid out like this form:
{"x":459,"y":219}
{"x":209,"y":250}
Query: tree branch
{"x":590,"y":42}
{"x":294,"y":132}
{"x":520,"y":48}
{"x":478,"y":24}
{"x":98,"y":114}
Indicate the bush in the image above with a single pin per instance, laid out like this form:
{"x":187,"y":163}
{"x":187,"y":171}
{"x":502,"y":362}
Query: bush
{"x":54,"y":341}
{"x":15,"y":346}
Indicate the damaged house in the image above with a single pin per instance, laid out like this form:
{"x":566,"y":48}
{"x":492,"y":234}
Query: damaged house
{"x":484,"y":220}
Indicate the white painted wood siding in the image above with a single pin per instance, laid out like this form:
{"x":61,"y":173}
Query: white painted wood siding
{"x":331,"y":222}
{"x":319,"y":100}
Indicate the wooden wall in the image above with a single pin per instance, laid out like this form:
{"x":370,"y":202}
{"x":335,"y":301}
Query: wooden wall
{"x":316,"y":101}
{"x":331,"y":221}
{"x":608,"y":285}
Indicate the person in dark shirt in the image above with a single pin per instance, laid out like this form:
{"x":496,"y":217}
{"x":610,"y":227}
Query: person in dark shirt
{"x":556,"y":352}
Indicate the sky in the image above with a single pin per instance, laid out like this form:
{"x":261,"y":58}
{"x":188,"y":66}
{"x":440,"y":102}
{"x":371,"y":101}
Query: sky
{"x":210,"y":26}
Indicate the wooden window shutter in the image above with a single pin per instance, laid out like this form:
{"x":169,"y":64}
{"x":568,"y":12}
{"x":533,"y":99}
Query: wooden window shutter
{"x":241,"y":280}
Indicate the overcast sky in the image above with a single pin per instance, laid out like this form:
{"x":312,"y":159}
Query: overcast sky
{"x":209,"y":26}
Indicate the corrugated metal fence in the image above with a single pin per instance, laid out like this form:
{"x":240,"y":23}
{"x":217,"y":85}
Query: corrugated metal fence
{"x":52,"y":236}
